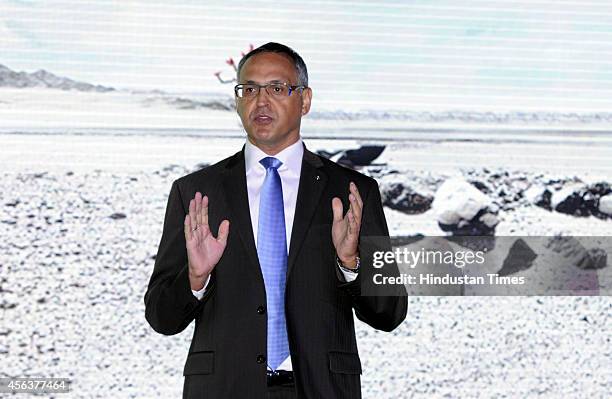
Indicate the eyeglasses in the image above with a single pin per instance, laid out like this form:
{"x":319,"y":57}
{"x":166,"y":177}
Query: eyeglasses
{"x":251,"y":90}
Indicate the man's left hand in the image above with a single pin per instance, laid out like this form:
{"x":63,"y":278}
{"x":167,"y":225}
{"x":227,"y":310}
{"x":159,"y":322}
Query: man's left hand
{"x":345,"y":230}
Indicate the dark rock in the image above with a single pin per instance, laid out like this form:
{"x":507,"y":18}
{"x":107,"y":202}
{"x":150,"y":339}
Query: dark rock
{"x":574,"y":204}
{"x":600,"y":189}
{"x":480,"y":186}
{"x":118,"y":215}
{"x":596,"y":258}
{"x":569,"y":247}
{"x":13,"y":203}
{"x":582,"y":200}
{"x":362,"y":156}
{"x":520,"y":257}
{"x":171,"y":168}
{"x":6,"y":305}
{"x":543,"y":201}
{"x":474,"y":227}
{"x":577,"y":254}
{"x":398,"y":196}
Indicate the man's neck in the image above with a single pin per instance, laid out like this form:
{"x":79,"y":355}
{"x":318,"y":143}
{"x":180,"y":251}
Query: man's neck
{"x":275,"y":149}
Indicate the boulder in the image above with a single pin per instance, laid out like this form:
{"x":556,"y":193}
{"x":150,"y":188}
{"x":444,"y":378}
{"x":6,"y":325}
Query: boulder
{"x":581,"y":200}
{"x":605,"y":205}
{"x":462,"y":209}
{"x":358,"y":157}
{"x":577,"y":254}
{"x":520,"y":257}
{"x":405,"y":198}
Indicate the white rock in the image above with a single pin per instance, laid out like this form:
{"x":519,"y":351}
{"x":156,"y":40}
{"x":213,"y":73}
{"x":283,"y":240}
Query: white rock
{"x":489,"y":219}
{"x":605,"y":204}
{"x":560,"y":196}
{"x":534,"y":193}
{"x":457,"y":199}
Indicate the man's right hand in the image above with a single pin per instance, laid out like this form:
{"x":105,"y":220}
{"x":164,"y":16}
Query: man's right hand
{"x":203,"y":250}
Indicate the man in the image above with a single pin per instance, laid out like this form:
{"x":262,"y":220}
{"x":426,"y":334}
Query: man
{"x":273,"y":293}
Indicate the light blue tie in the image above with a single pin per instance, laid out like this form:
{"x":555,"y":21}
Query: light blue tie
{"x":272,"y":252}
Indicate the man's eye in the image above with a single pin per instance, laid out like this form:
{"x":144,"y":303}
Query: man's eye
{"x":249,"y":89}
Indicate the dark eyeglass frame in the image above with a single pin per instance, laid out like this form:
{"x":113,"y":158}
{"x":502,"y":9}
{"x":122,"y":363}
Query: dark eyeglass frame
{"x":266,"y":86}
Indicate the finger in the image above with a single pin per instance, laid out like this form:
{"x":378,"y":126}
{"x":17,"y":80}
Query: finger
{"x":205,"y":210}
{"x":337,"y":209}
{"x":355,"y":191}
{"x":355,"y":207}
{"x":192,"y":213}
{"x":198,"y":203}
{"x":223,"y":232}
{"x":187,"y":227}
{"x":352,"y":225}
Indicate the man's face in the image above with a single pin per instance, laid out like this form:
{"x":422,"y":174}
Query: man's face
{"x":272,"y":123}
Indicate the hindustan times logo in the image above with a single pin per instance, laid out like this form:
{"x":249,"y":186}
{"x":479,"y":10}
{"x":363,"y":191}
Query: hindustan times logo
{"x":428,"y":257}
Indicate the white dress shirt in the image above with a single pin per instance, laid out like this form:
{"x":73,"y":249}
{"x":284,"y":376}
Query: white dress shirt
{"x":289,"y":171}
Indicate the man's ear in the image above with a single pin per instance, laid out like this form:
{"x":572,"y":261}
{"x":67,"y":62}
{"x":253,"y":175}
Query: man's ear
{"x":306,"y":100}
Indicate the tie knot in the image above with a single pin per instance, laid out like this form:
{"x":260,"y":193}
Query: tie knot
{"x":270,"y":162}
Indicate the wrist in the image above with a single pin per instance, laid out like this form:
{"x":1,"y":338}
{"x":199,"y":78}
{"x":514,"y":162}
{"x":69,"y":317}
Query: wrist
{"x":197,"y":282}
{"x":349,"y":262}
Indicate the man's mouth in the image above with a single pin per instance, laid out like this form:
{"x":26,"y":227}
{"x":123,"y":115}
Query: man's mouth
{"x":262,"y":119}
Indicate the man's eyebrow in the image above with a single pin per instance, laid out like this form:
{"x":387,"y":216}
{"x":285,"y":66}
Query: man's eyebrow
{"x":270,"y":81}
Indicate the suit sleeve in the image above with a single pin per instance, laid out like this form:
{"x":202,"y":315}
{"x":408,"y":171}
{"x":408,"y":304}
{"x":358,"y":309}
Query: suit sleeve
{"x":170,"y":305}
{"x":382,"y":307}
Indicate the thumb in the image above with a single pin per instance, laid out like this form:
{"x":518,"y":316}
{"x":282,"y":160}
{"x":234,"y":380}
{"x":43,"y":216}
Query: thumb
{"x":337,"y":208}
{"x":223,"y":232}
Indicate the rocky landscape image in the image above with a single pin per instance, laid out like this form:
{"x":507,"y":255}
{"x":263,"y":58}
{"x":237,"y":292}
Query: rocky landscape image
{"x":86,"y":170}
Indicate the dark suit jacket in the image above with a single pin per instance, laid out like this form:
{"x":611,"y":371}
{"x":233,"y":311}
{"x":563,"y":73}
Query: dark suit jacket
{"x":225,"y":359}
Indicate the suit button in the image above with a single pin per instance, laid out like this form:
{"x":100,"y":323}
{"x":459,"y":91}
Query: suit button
{"x":261,"y":359}
{"x":261,"y":310}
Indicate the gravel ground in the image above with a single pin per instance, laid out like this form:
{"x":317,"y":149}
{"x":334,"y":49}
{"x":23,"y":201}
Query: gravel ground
{"x":77,"y":241}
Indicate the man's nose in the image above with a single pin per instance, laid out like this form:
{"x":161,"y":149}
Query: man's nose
{"x":263,"y":97}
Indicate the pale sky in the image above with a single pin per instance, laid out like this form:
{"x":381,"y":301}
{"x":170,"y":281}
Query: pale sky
{"x":360,"y":54}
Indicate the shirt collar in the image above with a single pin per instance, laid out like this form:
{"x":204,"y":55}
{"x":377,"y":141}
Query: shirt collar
{"x":291,"y":157}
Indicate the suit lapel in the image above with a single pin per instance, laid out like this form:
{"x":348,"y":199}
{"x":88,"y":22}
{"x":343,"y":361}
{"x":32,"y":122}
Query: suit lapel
{"x":236,"y":195}
{"x":313,"y":180}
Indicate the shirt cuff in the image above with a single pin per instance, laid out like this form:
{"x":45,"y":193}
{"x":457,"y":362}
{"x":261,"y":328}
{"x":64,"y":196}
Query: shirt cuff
{"x":348,"y":275}
{"x":199,"y":294}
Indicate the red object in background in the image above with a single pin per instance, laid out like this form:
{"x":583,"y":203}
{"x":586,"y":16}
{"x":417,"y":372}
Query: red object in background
{"x":230,"y":61}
